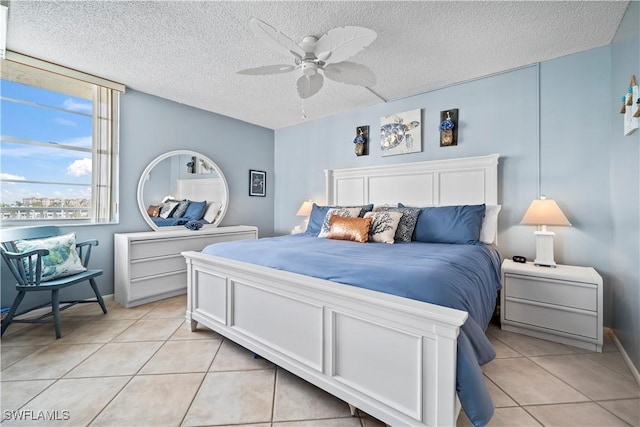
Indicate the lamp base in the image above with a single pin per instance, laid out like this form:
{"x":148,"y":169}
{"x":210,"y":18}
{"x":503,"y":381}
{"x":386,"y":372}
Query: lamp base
{"x":544,"y":249}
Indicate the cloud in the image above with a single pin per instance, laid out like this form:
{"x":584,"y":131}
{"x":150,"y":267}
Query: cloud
{"x":10,"y":176}
{"x":76,"y":105}
{"x":65,"y":122}
{"x":80,"y":167}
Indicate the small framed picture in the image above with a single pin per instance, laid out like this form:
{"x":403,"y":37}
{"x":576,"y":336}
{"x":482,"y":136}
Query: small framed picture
{"x":257,"y":183}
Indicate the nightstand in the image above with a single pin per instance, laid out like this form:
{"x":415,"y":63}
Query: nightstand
{"x":562,"y":304}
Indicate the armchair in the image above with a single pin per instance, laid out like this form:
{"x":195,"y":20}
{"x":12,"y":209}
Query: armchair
{"x":37,"y":268}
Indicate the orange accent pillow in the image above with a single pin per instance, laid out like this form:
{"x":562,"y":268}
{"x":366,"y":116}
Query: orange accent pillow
{"x":345,"y":228}
{"x":153,"y":211}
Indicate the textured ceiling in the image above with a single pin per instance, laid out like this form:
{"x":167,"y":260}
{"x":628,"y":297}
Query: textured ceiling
{"x":190,"y":52}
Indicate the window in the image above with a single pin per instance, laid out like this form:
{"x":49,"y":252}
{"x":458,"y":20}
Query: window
{"x":59,"y":144}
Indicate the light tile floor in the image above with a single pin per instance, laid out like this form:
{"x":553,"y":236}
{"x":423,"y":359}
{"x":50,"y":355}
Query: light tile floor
{"x":143,"y":366}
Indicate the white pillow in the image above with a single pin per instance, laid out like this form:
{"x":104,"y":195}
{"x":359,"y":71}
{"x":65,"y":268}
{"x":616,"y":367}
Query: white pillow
{"x":490,"y":224}
{"x":211,"y":212}
{"x":344,"y":212}
{"x":383,"y":225}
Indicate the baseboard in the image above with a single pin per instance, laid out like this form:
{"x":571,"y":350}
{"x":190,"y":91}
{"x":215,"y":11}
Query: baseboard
{"x":44,"y":310}
{"x":625,"y":356}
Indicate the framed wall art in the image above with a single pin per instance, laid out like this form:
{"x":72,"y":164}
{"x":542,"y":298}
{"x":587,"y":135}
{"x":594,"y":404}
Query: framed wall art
{"x":257,"y":183}
{"x":401,"y":133}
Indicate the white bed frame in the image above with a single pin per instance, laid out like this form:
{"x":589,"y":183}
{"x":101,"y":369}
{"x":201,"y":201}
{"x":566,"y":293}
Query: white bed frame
{"x":392,"y":357}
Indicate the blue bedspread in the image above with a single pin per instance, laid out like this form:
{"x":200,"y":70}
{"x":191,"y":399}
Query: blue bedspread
{"x":465,"y":277}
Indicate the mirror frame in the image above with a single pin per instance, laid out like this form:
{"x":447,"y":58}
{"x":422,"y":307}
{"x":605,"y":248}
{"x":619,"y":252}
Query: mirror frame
{"x":142,"y":207}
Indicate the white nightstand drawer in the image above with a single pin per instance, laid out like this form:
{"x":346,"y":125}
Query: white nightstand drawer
{"x":559,"y":292}
{"x":572,"y":322}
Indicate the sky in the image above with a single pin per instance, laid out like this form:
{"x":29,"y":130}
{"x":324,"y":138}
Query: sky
{"x":72,"y":127}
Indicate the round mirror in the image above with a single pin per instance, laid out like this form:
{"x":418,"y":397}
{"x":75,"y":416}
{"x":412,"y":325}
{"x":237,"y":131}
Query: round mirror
{"x":182,"y":186}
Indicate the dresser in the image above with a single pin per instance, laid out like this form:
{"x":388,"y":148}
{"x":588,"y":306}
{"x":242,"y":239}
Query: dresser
{"x":149,"y":265}
{"x":562,"y":304}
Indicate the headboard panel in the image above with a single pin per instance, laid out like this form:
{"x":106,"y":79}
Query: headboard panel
{"x":209,"y":189}
{"x":468,"y":181}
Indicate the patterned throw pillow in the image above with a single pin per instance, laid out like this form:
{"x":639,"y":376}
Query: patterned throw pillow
{"x":167,"y":209}
{"x":347,"y":228}
{"x":383,"y":226}
{"x":344,"y":212}
{"x":63,"y":259}
{"x":319,"y":214}
{"x":407,"y":223}
{"x":180,"y":209}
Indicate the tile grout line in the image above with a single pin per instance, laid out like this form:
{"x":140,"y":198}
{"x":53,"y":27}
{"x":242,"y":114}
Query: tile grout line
{"x":201,"y":383}
{"x":555,"y":376}
{"x":135,"y":374}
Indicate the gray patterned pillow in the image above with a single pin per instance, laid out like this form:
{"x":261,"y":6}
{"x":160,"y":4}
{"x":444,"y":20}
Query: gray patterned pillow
{"x":407,"y":223}
{"x":167,"y":209}
{"x":344,"y":212}
{"x":180,"y":209}
{"x":383,"y":225}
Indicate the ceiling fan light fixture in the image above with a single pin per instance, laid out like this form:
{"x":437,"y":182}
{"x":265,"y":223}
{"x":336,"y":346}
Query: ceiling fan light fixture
{"x":327,"y":54}
{"x":309,"y":68}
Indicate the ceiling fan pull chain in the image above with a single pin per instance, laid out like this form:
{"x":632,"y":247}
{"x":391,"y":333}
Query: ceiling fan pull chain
{"x":304,"y":115}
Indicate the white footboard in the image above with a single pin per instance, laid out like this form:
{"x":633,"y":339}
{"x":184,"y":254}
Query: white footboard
{"x":392,"y":357}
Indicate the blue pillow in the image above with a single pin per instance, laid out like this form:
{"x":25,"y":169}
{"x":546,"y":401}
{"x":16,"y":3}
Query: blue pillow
{"x":449,"y":224}
{"x":195,"y":210}
{"x":318,"y":213}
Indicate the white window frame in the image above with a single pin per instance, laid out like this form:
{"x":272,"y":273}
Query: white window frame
{"x":105,"y":145}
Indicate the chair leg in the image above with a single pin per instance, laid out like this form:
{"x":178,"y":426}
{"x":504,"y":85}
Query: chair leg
{"x":55,"y":305}
{"x":16,"y":302}
{"x":98,"y":296}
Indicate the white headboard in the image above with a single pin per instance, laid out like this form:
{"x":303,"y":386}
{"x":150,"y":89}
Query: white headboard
{"x":464,"y":181}
{"x":209,"y":189}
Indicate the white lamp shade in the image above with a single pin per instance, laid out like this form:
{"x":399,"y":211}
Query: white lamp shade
{"x":544,"y":212}
{"x":305,"y":208}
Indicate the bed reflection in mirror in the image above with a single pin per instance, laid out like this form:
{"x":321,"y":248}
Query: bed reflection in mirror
{"x":182,"y":186}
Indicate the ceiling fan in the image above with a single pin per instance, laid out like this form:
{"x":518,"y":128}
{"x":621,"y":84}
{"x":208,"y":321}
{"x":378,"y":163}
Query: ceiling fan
{"x":326,"y":54}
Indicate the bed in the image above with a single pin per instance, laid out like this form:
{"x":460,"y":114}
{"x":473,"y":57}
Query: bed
{"x":329,"y":333}
{"x":210,"y":190}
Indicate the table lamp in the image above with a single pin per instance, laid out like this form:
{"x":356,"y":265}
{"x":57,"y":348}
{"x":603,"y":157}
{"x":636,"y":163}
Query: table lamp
{"x":305,"y":210}
{"x":542,"y":213}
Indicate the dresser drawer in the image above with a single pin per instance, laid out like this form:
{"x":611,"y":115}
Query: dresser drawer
{"x":158,"y":265}
{"x":567,"y":321}
{"x":149,"y":265}
{"x":559,"y":292}
{"x":226,"y":238}
{"x":157,"y":285}
{"x":168,"y":246}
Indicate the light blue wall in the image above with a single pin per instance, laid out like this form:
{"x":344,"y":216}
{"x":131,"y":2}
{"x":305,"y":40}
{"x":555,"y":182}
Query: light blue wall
{"x":496,"y":115}
{"x":625,"y":191}
{"x":575,"y":144}
{"x":549,"y":123}
{"x":150,"y":126}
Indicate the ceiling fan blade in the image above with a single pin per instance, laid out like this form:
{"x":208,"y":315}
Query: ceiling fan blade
{"x":309,"y":86}
{"x":342,"y":43}
{"x":350,"y":73}
{"x":268,"y":69}
{"x":275,"y":39}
